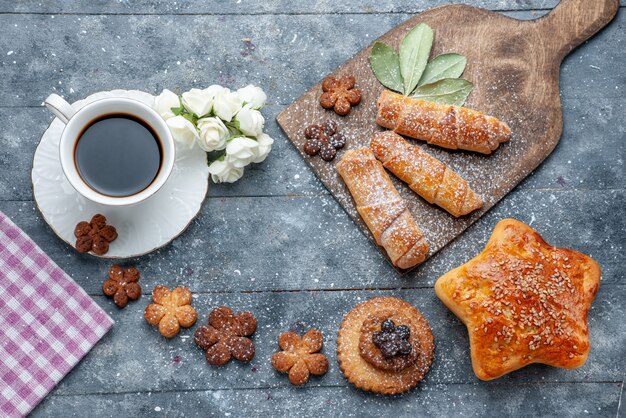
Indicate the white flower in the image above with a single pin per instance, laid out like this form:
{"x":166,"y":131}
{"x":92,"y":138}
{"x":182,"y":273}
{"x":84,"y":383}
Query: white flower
{"x":213,"y":134}
{"x":198,"y":101}
{"x":226,"y":105}
{"x":223,"y":172}
{"x":250,"y":122}
{"x":183,"y":131}
{"x":215,"y":89}
{"x":252,"y":96}
{"x":241,"y":151}
{"x":164,"y":103}
{"x":265,"y":146}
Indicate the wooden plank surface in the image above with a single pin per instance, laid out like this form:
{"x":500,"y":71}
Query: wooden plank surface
{"x":597,"y":399}
{"x":226,"y":7}
{"x":577,"y":163}
{"x":318,"y":247}
{"x":285,"y":54}
{"x":306,"y":263}
{"x":178,"y":364}
{"x":315,"y":7}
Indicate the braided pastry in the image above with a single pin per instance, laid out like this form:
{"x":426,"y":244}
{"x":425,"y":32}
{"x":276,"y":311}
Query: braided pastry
{"x":425,"y":175}
{"x":447,"y":126}
{"x":382,"y":209}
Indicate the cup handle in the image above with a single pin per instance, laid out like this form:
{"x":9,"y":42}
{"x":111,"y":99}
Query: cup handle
{"x":61,"y":109}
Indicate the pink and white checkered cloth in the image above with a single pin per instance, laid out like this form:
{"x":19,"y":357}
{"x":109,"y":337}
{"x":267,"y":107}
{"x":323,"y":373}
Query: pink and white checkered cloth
{"x":47,"y":322}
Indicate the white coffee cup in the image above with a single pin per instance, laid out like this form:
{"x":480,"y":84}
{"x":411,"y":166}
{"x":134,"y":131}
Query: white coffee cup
{"x":76,"y":121}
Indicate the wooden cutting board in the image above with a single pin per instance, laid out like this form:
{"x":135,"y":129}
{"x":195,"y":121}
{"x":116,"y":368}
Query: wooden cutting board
{"x":514,"y":66}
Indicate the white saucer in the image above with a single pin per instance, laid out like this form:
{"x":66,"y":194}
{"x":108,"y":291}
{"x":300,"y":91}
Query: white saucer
{"x":141,"y":228}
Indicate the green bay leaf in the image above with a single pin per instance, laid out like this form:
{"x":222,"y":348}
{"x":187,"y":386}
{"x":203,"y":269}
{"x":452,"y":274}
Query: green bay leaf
{"x":385,"y":64}
{"x":452,"y":91}
{"x":443,"y":66}
{"x":414,"y":52}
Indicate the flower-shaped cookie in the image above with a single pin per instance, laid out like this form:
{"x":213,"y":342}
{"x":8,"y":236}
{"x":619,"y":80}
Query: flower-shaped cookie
{"x":170,"y":310}
{"x":94,"y":235}
{"x":340,"y":94}
{"x":123,"y":285}
{"x":300,"y":356}
{"x":323,"y":139}
{"x":227,"y":336}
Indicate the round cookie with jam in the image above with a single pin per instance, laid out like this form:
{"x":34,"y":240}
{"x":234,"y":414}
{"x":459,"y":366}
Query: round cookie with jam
{"x":385,"y":346}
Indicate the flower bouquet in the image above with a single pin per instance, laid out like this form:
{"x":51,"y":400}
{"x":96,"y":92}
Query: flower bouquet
{"x":228,"y":125}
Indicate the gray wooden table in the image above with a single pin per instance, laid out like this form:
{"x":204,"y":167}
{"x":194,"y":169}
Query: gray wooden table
{"x":276,"y":242}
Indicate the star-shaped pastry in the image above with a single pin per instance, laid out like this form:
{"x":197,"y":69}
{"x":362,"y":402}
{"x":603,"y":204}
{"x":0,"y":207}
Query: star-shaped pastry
{"x":523,"y":301}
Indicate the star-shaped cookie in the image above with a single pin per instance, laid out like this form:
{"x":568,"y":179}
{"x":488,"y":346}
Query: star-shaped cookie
{"x":523,"y":301}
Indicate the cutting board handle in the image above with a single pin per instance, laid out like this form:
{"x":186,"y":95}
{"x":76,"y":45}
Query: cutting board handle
{"x":572,"y":22}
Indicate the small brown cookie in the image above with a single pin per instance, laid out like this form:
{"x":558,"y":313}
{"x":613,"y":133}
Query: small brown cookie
{"x":227,"y":336}
{"x":363,"y":363}
{"x":340,"y":94}
{"x":300,"y":356}
{"x":324,"y":140}
{"x":122,"y":285}
{"x":94,"y":236}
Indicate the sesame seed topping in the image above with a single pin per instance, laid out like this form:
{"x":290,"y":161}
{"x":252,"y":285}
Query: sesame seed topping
{"x":523,"y":299}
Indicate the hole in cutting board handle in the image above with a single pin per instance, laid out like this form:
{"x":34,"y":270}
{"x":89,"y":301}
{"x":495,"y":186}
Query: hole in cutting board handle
{"x":572,"y":22}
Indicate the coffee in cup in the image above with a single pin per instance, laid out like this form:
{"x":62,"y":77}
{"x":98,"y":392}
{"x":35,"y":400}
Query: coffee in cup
{"x":118,"y":155}
{"x":114,"y":151}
